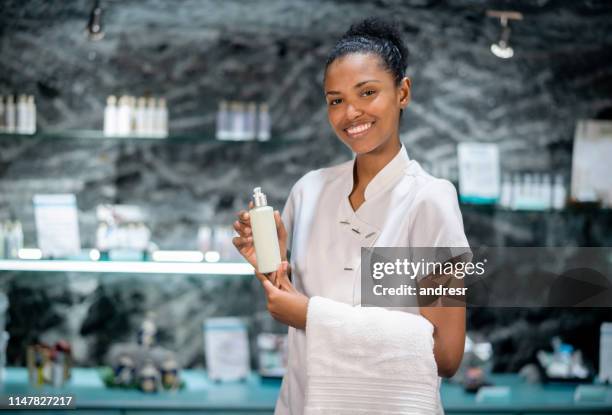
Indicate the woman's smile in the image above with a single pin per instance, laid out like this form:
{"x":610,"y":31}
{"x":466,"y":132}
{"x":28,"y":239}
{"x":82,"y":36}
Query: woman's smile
{"x":359,"y":130}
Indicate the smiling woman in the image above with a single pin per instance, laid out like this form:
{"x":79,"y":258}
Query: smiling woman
{"x":366,"y":92}
{"x":380,"y":198}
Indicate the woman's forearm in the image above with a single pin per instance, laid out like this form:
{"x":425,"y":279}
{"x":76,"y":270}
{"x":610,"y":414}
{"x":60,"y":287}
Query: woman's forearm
{"x":449,"y":337}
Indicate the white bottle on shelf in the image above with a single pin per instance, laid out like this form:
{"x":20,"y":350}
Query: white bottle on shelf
{"x":251,"y":121}
{"x":21,"y":126}
{"x":546,"y":192}
{"x":10,"y":114}
{"x":140,"y":129}
{"x":123,"y":117}
{"x":239,"y":122}
{"x":528,"y":191}
{"x":111,"y":120}
{"x":2,"y":240}
{"x":132,"y":105}
{"x":161,"y":129}
{"x":233,"y":121}
{"x":538,"y":192}
{"x":31,"y":115}
{"x":2,"y":115}
{"x":517,"y":191}
{"x":265,"y":236}
{"x":505,"y":199}
{"x":263,"y":130}
{"x":149,"y":117}
{"x":559,"y":193}
{"x":222,"y":121}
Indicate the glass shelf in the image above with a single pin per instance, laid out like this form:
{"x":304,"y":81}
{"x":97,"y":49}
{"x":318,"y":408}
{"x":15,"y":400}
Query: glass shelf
{"x":130,"y":267}
{"x":572,"y":209}
{"x":98,"y":135}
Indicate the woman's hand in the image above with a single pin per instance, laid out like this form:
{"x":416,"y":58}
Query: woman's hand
{"x":285,"y":303}
{"x":244,"y":241}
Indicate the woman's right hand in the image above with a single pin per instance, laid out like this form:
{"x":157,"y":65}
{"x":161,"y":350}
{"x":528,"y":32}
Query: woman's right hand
{"x":244,"y":241}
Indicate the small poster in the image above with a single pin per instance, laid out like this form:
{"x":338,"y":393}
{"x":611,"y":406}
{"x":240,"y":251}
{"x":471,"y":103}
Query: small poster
{"x":57,"y":225}
{"x":227,"y":349}
{"x":591,"y":178}
{"x":479,"y":172}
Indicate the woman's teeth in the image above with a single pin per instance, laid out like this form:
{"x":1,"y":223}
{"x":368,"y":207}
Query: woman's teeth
{"x":359,"y":128}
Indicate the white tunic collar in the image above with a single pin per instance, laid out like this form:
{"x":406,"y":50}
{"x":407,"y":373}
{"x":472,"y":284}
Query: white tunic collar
{"x":395,"y":168}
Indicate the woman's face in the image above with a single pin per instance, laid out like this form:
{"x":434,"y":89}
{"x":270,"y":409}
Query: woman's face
{"x":363,"y":101}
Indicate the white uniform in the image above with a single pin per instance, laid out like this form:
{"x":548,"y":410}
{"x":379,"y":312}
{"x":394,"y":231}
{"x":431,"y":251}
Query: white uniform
{"x":404,"y":206}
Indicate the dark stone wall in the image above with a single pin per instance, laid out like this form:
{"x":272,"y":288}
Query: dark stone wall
{"x":197,"y":52}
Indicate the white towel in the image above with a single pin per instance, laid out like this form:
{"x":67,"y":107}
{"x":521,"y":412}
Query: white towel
{"x":367,"y":360}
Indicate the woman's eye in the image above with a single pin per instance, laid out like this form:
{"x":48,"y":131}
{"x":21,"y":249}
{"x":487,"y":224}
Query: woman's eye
{"x":335,"y":101}
{"x":369,"y":92}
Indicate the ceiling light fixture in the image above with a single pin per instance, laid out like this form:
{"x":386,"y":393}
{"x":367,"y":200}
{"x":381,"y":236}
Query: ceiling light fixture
{"x":502,"y":48}
{"x":94,"y":25}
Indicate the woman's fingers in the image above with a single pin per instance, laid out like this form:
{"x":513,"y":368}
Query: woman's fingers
{"x":240,"y":242}
{"x":244,"y":217}
{"x":260,"y":277}
{"x":243,"y":230}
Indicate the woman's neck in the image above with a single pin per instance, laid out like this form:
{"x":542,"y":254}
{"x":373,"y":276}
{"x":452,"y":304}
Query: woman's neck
{"x":369,"y":164}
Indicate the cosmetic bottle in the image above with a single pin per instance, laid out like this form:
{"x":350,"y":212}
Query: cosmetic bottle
{"x":149,"y":117}
{"x":239,"y":122}
{"x":2,"y":115}
{"x":234,"y":121}
{"x":222,"y":118}
{"x":110,"y":117}
{"x":161,"y":129}
{"x":10,"y":114}
{"x":22,"y":115}
{"x":265,"y":236}
{"x":132,"y":105}
{"x":505,"y":200}
{"x":31,"y":115}
{"x":559,"y":193}
{"x":140,"y":117}
{"x":251,"y":122}
{"x":263,"y":130}
{"x":516,"y":191}
{"x":546,"y":192}
{"x":2,"y":240}
{"x":123,"y":117}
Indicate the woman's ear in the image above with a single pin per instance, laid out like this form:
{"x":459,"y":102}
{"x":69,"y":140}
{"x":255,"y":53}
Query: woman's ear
{"x":404,"y":87}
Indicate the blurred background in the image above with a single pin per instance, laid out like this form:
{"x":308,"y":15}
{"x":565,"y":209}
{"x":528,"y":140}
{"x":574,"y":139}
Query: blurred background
{"x":177,"y":109}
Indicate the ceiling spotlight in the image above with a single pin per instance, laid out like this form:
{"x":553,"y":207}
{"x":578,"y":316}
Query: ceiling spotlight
{"x":94,"y":25}
{"x":502,"y":48}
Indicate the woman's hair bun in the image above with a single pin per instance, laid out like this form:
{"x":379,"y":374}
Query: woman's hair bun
{"x":374,"y":27}
{"x":376,"y":36}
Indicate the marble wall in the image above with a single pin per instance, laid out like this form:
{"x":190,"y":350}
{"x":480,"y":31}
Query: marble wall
{"x":197,"y":52}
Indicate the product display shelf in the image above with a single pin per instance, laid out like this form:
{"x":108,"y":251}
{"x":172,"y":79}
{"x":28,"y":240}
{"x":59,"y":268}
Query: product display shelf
{"x":239,"y":269}
{"x":257,"y":395}
{"x":98,"y":135}
{"x":570,"y":210}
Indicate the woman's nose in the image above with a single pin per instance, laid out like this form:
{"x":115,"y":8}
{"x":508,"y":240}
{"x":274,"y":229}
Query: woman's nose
{"x":352,"y":112}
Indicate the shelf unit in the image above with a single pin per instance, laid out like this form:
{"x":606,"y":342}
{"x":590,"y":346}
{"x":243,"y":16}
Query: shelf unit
{"x":130,"y":267}
{"x":97,"y":135}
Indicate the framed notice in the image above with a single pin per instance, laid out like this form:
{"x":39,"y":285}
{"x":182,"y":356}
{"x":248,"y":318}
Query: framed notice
{"x":479,"y":175}
{"x":226,"y":346}
{"x":57,"y":225}
{"x":591,"y":178}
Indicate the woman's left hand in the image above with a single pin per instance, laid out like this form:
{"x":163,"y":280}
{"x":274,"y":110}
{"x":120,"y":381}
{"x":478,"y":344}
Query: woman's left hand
{"x":285,"y":303}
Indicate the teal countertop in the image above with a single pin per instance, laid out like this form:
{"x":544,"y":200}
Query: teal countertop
{"x":258,"y":396}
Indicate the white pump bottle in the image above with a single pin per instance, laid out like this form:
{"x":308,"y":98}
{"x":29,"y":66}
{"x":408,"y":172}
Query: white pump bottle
{"x":265,"y":236}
